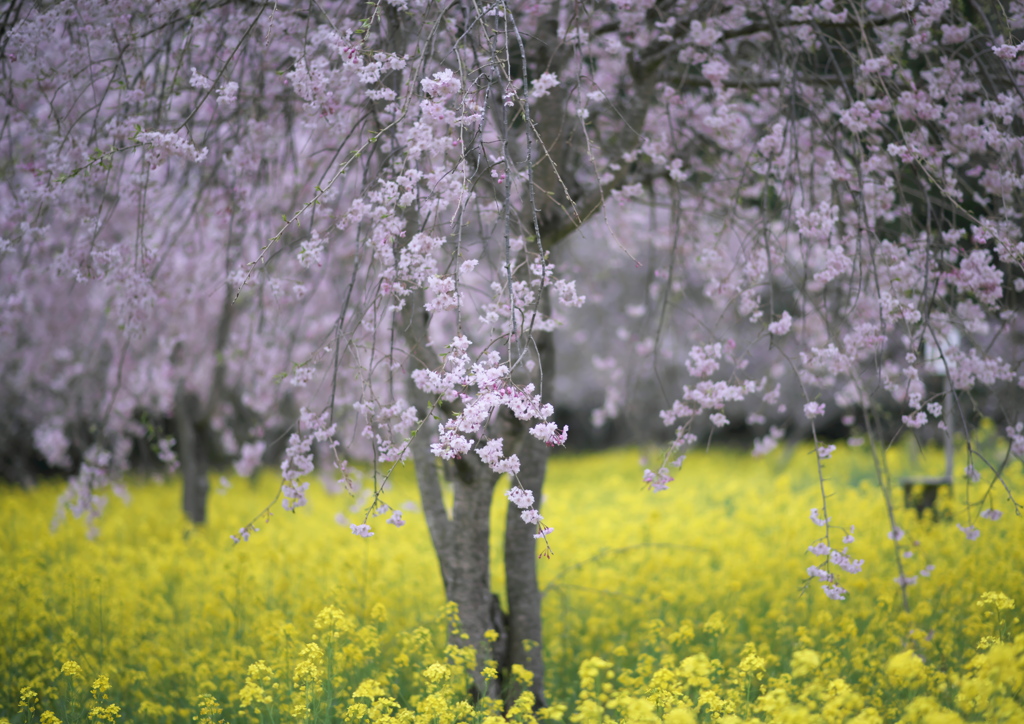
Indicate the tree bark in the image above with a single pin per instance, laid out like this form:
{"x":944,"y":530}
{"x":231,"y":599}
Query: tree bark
{"x":469,"y":566}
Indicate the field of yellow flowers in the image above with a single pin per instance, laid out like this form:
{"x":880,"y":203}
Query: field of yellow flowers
{"x":690,"y":605}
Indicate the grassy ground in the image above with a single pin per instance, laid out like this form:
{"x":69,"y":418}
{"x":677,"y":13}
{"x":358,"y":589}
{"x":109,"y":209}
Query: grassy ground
{"x":682,"y":606}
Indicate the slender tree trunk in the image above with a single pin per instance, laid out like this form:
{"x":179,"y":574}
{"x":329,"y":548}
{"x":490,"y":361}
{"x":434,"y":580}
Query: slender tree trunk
{"x":525,"y":638}
{"x":524,"y":596}
{"x":192,"y":456}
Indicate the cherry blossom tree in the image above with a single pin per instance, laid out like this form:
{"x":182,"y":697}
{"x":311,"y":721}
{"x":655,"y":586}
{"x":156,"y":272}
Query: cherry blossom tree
{"x":351,"y":222}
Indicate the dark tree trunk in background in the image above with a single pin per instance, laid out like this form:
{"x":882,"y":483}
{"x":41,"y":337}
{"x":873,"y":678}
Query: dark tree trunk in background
{"x":196,"y":444}
{"x":192,"y":455}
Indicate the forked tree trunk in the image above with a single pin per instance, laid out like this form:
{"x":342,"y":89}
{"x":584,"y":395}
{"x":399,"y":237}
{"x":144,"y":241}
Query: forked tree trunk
{"x":461,"y":538}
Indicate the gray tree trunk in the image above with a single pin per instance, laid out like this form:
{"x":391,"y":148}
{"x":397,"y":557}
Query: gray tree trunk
{"x":524,"y":596}
{"x":469,"y":551}
{"x":524,"y":599}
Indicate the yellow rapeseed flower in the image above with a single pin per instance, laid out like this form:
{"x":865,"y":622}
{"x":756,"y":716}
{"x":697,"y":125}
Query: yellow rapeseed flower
{"x":110,"y":713}
{"x":29,"y":699}
{"x":715,"y":625}
{"x":437,"y":673}
{"x":751,"y":664}
{"x":804,"y":662}
{"x":101,"y":686}
{"x":680,"y":715}
{"x":1000,"y":600}
{"x":522,"y":674}
{"x":763,"y":650}
{"x":72,"y":670}
{"x":368,"y":689}
{"x":906,"y":669}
